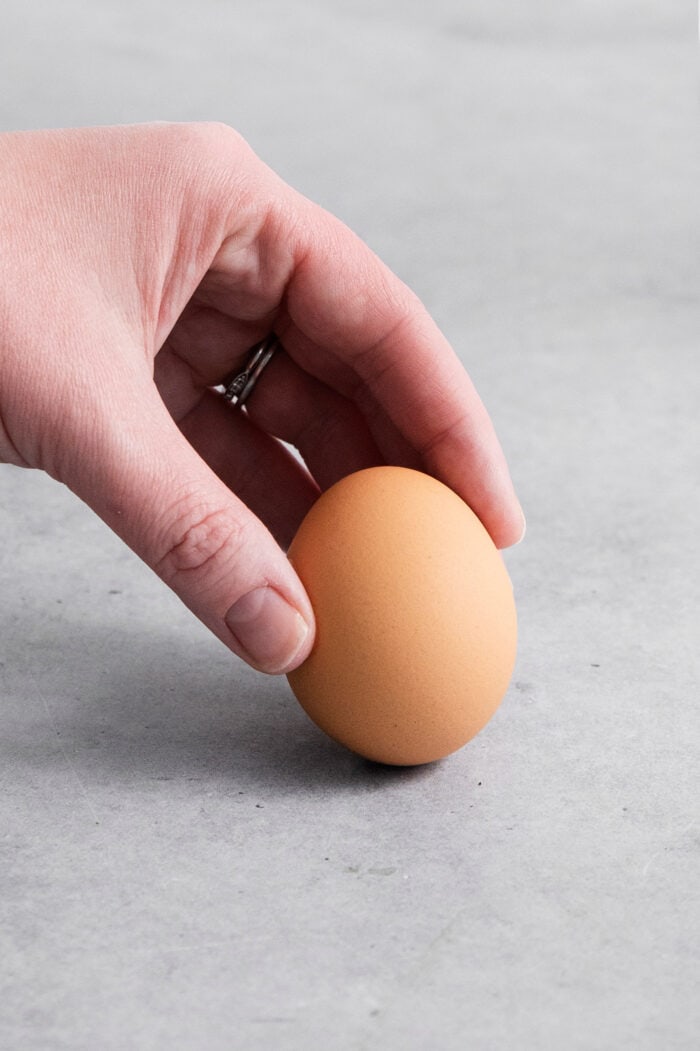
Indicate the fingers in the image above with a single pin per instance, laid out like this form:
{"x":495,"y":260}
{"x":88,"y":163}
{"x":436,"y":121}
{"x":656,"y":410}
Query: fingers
{"x":326,"y":428}
{"x":149,"y":484}
{"x":259,"y":469}
{"x":329,"y":431}
{"x":351,"y":324}
{"x":343,"y":303}
{"x":334,"y":434}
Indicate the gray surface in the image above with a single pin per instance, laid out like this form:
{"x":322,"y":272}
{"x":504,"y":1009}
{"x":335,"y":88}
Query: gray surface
{"x":185,"y":861}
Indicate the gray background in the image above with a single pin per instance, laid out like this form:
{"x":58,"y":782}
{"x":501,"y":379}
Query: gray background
{"x":185,"y":861}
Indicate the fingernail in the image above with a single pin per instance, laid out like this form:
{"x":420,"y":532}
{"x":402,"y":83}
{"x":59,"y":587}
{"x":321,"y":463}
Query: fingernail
{"x":268,"y":631}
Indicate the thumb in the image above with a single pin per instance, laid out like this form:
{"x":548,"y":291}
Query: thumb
{"x":149,"y":485}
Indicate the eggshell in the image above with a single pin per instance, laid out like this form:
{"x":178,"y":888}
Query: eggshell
{"x":416,"y":622}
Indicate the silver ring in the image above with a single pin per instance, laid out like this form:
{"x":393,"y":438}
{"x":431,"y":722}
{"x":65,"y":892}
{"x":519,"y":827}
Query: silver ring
{"x":241,"y":386}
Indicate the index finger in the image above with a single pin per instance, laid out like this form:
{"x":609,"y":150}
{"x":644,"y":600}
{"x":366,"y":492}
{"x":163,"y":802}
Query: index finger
{"x":351,"y":319}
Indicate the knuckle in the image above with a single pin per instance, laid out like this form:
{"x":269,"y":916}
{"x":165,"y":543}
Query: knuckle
{"x":198,"y":135}
{"x":204,"y":156}
{"x":220,"y":172}
{"x":212,"y":138}
{"x":218,"y":149}
{"x":205,"y":541}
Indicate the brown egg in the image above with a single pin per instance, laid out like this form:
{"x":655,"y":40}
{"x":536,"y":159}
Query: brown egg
{"x":416,"y":623}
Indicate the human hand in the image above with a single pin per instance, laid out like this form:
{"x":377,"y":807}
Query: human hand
{"x":137,"y":266}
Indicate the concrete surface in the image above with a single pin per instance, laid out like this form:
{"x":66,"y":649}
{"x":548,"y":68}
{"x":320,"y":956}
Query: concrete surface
{"x":185,"y":862}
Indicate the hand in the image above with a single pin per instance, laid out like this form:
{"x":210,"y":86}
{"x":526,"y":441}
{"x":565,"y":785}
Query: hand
{"x":137,"y":266}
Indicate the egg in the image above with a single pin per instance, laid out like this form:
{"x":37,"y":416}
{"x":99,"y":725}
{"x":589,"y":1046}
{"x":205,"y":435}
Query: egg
{"x":415,"y":617}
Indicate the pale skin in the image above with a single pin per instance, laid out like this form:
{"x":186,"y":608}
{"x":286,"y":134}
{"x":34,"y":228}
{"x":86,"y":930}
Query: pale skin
{"x":137,"y":266}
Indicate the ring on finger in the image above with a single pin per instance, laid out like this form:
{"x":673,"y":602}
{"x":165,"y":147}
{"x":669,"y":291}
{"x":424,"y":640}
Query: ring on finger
{"x":239,"y":389}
